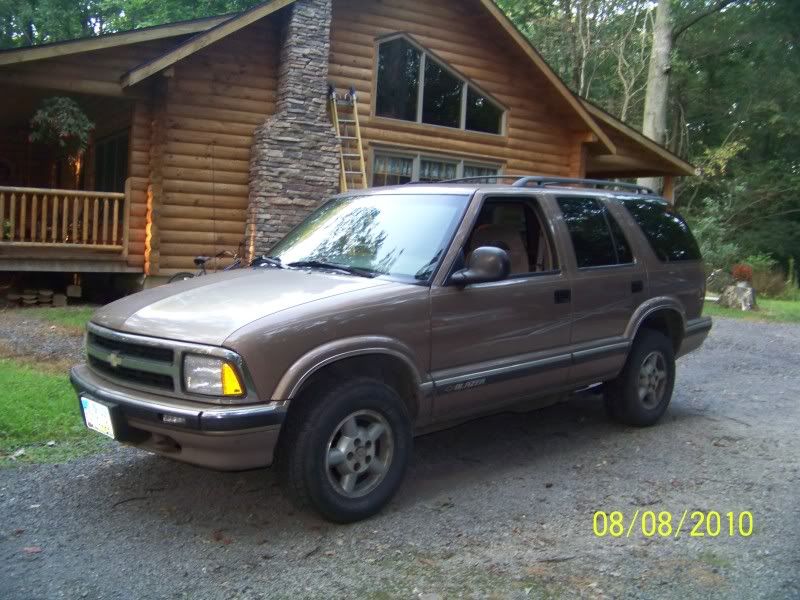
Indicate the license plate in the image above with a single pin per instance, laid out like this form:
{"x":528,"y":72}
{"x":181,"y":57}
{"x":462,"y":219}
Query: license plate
{"x":97,"y":416}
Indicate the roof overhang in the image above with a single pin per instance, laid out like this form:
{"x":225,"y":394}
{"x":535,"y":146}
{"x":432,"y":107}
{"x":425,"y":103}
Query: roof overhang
{"x":124,"y":38}
{"x":201,"y":40}
{"x":617,"y":166}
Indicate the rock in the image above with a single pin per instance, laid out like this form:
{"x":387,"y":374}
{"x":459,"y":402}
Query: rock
{"x":738,"y":296}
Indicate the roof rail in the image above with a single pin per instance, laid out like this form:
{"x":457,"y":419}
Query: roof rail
{"x":542,"y":181}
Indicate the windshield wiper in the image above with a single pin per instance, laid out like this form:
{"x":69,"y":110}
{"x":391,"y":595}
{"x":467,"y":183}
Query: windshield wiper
{"x":272,"y":261}
{"x":321,"y":264}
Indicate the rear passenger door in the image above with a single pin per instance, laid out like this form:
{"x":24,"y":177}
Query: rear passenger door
{"x":608,"y":283}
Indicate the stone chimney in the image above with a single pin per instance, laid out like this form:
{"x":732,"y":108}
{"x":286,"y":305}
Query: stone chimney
{"x":294,"y":162}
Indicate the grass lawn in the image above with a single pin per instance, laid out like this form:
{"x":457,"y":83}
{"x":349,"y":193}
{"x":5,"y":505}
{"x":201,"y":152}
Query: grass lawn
{"x":37,"y":408}
{"x":785,"y":311}
{"x":70,"y":317}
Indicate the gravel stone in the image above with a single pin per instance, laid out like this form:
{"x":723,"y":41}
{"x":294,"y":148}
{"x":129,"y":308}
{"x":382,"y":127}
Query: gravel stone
{"x":501,"y":507}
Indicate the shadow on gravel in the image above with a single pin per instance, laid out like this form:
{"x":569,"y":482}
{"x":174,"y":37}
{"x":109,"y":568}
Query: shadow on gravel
{"x":157,"y":497}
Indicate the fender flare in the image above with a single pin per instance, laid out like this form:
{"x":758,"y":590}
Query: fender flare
{"x":327,"y":354}
{"x":651,"y":306}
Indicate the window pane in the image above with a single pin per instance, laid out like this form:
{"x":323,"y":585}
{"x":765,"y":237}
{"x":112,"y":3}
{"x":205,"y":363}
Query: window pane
{"x":482,"y":114}
{"x":475,"y":171}
{"x":398,"y":80}
{"x":586,"y":221}
{"x":624,"y":254}
{"x":432,"y":170}
{"x":667,"y":232}
{"x":441,"y":102}
{"x":391,"y":170}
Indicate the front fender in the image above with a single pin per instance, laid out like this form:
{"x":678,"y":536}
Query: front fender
{"x":326,"y":354}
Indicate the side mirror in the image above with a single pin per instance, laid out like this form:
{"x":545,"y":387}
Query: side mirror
{"x":486,"y":264}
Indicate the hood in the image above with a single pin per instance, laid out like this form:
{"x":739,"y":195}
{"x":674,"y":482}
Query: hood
{"x":208,"y":309}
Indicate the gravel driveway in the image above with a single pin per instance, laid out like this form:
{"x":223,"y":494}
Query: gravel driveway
{"x":498,"y":508}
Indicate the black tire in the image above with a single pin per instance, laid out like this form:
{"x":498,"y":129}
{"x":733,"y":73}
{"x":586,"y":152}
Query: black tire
{"x":181,"y":277}
{"x":624,"y":398}
{"x":314,"y":424}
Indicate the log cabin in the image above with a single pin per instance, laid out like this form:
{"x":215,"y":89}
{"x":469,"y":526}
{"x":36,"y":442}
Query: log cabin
{"x":218,"y":133}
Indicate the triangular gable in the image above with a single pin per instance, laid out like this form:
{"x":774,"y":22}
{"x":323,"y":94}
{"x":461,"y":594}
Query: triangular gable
{"x":13,"y":56}
{"x":645,"y":143}
{"x":202,"y":40}
{"x":260,"y":11}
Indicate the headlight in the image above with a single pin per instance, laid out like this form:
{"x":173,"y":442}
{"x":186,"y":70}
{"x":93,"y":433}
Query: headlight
{"x":210,"y":376}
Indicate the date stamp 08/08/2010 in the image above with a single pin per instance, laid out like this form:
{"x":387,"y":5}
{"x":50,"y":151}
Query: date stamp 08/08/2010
{"x":663,"y":524}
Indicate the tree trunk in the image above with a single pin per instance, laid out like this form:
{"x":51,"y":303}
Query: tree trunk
{"x":656,"y":100}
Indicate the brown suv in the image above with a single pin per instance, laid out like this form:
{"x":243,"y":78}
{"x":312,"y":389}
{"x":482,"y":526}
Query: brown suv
{"x":395,"y":311}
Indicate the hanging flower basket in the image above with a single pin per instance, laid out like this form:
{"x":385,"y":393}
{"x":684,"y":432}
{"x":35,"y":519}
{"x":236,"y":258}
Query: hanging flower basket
{"x":60,"y":122}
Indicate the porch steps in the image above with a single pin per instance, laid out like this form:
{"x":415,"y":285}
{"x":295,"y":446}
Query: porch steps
{"x":353,"y":172}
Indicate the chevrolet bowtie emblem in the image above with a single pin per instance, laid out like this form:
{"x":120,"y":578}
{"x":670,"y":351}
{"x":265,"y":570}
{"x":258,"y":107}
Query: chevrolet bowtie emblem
{"x":114,"y":359}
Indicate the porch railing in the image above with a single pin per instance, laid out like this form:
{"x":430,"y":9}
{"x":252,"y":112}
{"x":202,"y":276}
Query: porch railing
{"x":58,"y":218}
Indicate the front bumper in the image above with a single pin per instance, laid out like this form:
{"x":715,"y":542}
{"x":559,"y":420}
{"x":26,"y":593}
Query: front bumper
{"x":219,"y":437}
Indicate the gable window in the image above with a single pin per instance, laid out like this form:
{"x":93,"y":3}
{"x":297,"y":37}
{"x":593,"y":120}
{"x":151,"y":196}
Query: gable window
{"x":389,"y":168}
{"x":415,"y":86}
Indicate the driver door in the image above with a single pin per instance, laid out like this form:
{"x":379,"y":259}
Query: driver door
{"x":495,"y":343}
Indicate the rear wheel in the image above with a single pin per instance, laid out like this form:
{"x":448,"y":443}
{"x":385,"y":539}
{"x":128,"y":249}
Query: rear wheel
{"x":642,"y":392}
{"x":181,"y":277}
{"x":344,"y":451}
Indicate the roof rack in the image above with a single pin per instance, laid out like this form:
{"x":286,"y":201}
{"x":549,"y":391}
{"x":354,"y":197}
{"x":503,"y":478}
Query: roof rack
{"x":543,"y":181}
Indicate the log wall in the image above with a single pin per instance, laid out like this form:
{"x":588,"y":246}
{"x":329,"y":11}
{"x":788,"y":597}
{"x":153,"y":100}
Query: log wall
{"x":540,"y":130}
{"x":215,"y":99}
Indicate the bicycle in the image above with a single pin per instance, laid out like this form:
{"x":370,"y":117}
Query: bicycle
{"x":202,"y":261}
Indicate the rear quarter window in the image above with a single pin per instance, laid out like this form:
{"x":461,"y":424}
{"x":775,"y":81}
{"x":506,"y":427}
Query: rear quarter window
{"x":665,"y":229}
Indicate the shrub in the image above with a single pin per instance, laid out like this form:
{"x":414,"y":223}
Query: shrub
{"x":742,"y":272}
{"x":761,"y":263}
{"x":769,"y":284}
{"x":61,"y":122}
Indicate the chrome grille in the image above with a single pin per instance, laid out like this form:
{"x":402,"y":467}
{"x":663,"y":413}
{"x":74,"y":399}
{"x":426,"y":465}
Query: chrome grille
{"x":155,"y":364}
{"x":139,"y":362}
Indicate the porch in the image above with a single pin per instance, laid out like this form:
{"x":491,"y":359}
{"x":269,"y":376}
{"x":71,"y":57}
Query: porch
{"x":45,"y":229}
{"x":59,"y":213}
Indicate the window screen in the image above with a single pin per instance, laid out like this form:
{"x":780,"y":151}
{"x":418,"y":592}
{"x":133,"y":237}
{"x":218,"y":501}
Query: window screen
{"x":590,"y":227}
{"x":434,"y":170}
{"x":667,"y":232}
{"x":398,"y":80}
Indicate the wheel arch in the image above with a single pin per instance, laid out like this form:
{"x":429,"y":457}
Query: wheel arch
{"x":384,"y":358}
{"x":664,"y":315}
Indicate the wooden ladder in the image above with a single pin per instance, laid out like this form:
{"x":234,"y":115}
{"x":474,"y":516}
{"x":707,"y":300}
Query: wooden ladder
{"x":351,"y":149}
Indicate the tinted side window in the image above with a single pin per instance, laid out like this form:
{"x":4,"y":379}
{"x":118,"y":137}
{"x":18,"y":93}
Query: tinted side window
{"x":667,"y":232}
{"x":624,"y":254}
{"x":589,"y":230}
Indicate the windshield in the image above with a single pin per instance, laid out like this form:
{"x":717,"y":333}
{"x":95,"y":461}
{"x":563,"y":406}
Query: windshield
{"x":400,"y":236}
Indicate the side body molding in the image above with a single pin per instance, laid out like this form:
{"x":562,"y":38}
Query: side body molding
{"x":319,"y":357}
{"x":650,"y":306}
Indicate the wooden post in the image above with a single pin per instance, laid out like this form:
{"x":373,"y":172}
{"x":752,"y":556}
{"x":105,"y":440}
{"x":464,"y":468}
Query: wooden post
{"x":669,"y":189}
{"x":126,"y":217}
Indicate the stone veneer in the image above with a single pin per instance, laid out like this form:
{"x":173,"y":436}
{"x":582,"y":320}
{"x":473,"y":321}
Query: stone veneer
{"x":294,"y":162}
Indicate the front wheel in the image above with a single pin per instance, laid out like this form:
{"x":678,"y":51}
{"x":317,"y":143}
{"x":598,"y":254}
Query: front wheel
{"x":181,"y":277}
{"x":642,"y":392}
{"x":344,"y":453}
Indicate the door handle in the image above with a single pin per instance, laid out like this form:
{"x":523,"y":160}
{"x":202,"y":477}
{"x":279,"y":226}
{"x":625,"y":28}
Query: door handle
{"x":637,"y":286}
{"x":562,"y":296}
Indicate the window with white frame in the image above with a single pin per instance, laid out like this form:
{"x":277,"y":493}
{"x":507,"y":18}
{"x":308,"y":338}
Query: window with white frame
{"x":389,"y":168}
{"x":415,"y":86}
